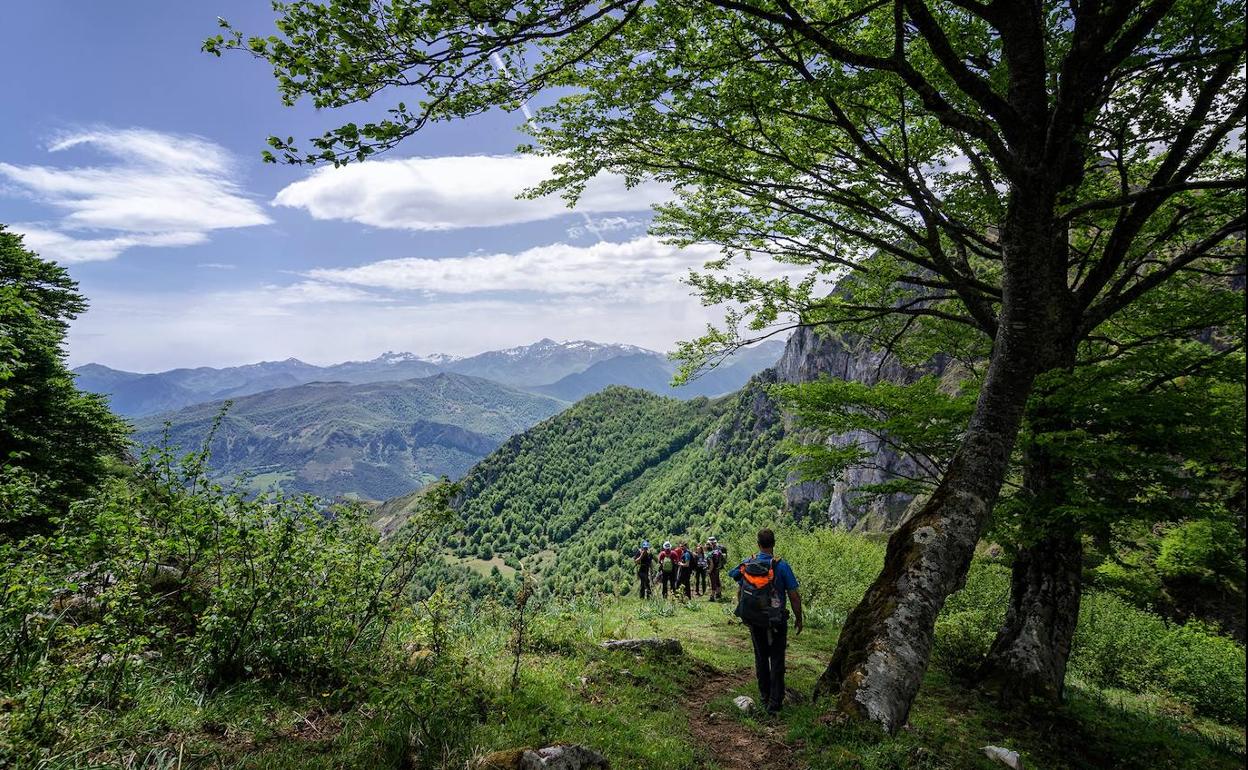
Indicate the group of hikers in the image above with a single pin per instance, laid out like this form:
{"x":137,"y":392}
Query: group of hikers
{"x":681,"y":568}
{"x":766,"y":587}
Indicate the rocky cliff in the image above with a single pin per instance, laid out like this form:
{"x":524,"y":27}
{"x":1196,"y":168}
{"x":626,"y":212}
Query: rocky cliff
{"x":810,"y":355}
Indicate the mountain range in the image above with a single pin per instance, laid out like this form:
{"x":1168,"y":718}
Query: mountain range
{"x":338,"y":439}
{"x":564,"y":370}
{"x":386,"y":426}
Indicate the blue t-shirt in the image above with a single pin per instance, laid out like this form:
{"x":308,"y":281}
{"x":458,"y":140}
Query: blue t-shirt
{"x":784,"y":575}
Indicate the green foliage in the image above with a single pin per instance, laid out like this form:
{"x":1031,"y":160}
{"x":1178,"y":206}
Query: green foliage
{"x":53,"y":438}
{"x":1202,"y":549}
{"x":570,"y":499}
{"x":1117,"y":645}
{"x":164,"y":572}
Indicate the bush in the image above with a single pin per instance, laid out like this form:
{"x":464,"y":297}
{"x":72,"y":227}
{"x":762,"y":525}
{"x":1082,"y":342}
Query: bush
{"x":165,"y":569}
{"x":962,"y":641}
{"x":1205,"y":671}
{"x":1118,"y":645}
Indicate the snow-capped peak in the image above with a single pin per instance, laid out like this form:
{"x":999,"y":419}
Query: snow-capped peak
{"x":438,"y":358}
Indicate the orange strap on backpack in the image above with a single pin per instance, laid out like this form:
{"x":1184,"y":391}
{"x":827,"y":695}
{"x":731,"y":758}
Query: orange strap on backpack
{"x":759,"y":581}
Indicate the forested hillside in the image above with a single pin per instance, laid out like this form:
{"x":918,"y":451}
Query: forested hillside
{"x":373,"y":441}
{"x":571,"y":498}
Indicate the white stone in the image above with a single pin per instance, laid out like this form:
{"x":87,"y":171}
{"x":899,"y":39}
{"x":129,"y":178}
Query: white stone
{"x":744,"y":702}
{"x":1006,"y":757}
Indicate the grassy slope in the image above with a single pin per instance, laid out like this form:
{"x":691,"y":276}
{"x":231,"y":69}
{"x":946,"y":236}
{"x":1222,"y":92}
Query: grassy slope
{"x":641,"y":711}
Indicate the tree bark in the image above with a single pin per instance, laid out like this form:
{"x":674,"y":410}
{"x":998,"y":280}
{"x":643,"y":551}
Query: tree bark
{"x":1028,"y":657}
{"x":885,"y":645}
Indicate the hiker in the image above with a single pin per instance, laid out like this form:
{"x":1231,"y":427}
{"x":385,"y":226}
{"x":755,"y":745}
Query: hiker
{"x":763,"y":583}
{"x":644,"y":559}
{"x":715,"y":562}
{"x":686,"y":569}
{"x":667,"y":568}
{"x":700,"y":564}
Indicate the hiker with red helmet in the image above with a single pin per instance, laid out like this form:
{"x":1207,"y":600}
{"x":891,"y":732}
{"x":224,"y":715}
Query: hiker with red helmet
{"x":763,"y":584}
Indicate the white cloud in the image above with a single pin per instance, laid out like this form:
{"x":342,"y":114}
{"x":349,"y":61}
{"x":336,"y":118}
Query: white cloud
{"x":611,"y":292}
{"x":67,"y":249}
{"x":454,"y":192}
{"x":640,"y":267}
{"x":606,"y":225}
{"x":230,"y":328}
{"x":160,"y":190}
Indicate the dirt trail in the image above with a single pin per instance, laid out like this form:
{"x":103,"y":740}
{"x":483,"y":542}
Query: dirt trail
{"x":733,"y":744}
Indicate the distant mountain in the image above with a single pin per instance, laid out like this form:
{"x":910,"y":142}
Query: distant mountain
{"x":373,"y":440}
{"x":542,"y":362}
{"x":653,"y":372}
{"x":134,"y":395}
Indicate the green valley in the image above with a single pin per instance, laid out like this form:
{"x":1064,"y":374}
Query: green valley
{"x":335,"y":439}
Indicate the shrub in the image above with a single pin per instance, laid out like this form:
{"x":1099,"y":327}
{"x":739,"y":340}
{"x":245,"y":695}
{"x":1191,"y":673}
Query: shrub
{"x":962,"y":641}
{"x":1117,"y":645}
{"x":166,"y":567}
{"x":1205,"y":671}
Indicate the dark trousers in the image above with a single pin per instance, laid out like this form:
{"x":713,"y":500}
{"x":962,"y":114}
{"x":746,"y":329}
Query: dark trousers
{"x":682,"y":580}
{"x":669,"y":582}
{"x":716,"y":588}
{"x":644,"y":577}
{"x":699,"y":580}
{"x":769,"y":646}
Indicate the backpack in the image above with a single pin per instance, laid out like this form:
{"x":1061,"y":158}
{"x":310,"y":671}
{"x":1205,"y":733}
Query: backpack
{"x":702,"y":562}
{"x":666,"y":563}
{"x":717,"y":559}
{"x":761,"y":603}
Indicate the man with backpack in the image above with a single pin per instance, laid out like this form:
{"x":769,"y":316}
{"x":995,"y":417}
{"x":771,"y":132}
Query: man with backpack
{"x":716,"y":556}
{"x":685,"y":560}
{"x":667,"y":569}
{"x":763,"y":584}
{"x":644,"y":559}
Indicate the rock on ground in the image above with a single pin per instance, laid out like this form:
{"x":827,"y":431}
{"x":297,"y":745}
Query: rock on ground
{"x":661,"y":645}
{"x":744,"y":702}
{"x":550,"y":758}
{"x":1004,"y":756}
{"x":563,"y":758}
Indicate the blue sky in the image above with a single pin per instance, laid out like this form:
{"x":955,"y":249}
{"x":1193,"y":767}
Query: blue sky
{"x":133,"y":158}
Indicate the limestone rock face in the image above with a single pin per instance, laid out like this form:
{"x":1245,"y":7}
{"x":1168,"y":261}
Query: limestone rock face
{"x":810,"y":355}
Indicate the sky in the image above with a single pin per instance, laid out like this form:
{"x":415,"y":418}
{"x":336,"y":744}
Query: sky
{"x":133,"y":158}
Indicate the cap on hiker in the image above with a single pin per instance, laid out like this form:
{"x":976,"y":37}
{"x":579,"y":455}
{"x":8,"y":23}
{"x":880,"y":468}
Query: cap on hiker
{"x":667,"y":543}
{"x":645,"y":543}
{"x":711,"y":540}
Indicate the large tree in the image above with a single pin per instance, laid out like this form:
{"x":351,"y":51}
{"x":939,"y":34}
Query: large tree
{"x":1045,"y":164}
{"x":1152,"y":434}
{"x":56,"y":442}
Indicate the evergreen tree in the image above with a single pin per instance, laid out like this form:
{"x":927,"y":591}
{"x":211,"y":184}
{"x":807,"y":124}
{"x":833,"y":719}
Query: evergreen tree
{"x":56,"y":442}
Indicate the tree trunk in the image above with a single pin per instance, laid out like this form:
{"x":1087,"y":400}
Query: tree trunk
{"x":886,"y":642}
{"x":1028,"y":657}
